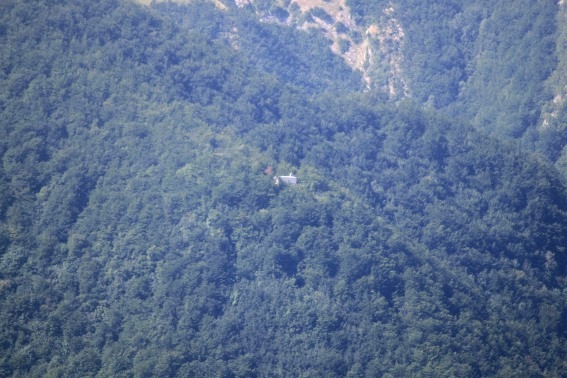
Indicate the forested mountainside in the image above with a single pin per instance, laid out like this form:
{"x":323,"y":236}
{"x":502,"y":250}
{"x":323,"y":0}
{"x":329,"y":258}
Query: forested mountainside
{"x":142,"y":233}
{"x":498,"y":64}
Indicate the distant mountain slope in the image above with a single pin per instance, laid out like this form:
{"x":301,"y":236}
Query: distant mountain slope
{"x":498,"y":64}
{"x":493,"y":63}
{"x":142,"y":233}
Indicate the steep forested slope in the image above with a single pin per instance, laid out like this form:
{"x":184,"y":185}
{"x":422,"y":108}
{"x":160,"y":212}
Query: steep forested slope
{"x":497,"y":64}
{"x":142,"y":233}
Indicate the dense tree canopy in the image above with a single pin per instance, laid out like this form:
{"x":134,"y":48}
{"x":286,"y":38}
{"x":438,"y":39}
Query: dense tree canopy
{"x":142,"y":234}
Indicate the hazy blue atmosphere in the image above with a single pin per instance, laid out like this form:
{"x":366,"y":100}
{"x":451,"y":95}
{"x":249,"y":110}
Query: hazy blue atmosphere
{"x":150,"y":225}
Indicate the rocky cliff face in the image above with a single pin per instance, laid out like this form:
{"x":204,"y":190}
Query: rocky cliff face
{"x":374,"y":50}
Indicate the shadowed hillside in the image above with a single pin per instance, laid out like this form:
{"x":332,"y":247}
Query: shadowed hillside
{"x":142,"y":233}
